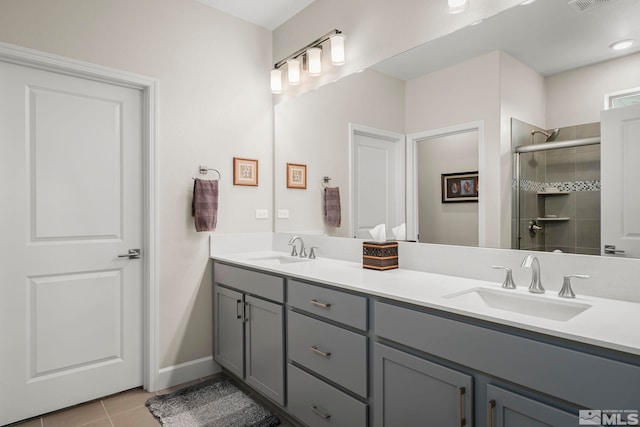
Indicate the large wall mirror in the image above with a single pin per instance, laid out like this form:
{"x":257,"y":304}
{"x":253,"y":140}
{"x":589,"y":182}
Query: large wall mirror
{"x":386,"y":136}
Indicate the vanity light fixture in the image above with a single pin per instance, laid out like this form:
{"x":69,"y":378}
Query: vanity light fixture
{"x":314,"y":61}
{"x":293,"y":71}
{"x":276,"y":81}
{"x":309,"y":57}
{"x":457,"y":6}
{"x":622,"y":44}
{"x":337,"y":49}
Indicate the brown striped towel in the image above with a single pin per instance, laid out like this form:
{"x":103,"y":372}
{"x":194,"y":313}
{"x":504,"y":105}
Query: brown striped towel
{"x":332,"y":214}
{"x":204,"y":207}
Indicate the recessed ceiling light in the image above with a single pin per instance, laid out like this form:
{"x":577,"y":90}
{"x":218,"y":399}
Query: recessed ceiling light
{"x":478,"y":22}
{"x":621,"y":44}
{"x":526,"y":2}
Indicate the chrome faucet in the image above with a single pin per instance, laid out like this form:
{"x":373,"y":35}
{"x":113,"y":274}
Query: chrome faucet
{"x":294,"y":252}
{"x":536,"y":284}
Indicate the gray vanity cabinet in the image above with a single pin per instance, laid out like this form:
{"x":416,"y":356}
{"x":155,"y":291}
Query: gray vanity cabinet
{"x":249,"y":329}
{"x":508,"y":409}
{"x":327,"y":376}
{"x":229,"y":329}
{"x":410,"y":391}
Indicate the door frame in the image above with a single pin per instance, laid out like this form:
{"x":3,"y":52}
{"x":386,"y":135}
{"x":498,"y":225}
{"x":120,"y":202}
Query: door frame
{"x":398,"y":140}
{"x":149,"y":87}
{"x":412,"y":174}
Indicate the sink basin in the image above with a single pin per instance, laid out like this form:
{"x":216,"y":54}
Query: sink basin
{"x":531,"y":305}
{"x":280,"y":259}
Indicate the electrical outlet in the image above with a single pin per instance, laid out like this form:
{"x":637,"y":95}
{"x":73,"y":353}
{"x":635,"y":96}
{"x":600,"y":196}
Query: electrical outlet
{"x":283,"y":213}
{"x":262,"y":214}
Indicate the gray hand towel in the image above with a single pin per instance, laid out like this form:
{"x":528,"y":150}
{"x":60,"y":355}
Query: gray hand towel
{"x":332,"y":213}
{"x":204,"y":207}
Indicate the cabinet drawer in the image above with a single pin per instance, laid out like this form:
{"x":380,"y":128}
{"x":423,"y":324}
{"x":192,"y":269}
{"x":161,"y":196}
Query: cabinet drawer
{"x":252,"y":282}
{"x":332,"y":352}
{"x":582,"y":378}
{"x":331,"y":304}
{"x":318,"y":404}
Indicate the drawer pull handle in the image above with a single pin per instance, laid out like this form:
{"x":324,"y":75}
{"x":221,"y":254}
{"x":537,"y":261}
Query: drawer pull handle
{"x":316,"y":350}
{"x":461,"y":392}
{"x":320,"y":413}
{"x":492,"y":407}
{"x":320,"y":304}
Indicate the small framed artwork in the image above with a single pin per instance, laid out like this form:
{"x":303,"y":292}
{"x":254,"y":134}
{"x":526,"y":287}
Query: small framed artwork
{"x":460,"y":187}
{"x":245,"y":171}
{"x":296,"y":176}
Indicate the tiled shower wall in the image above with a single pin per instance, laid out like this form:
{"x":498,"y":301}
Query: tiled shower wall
{"x":576,"y":170}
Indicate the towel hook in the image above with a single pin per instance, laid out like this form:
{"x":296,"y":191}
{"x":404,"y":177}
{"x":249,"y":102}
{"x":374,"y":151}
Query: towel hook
{"x":205,"y":170}
{"x":325,"y":181}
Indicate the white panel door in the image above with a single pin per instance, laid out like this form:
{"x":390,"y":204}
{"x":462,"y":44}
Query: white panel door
{"x":378,"y":180}
{"x":71,"y":195}
{"x":620,"y":178}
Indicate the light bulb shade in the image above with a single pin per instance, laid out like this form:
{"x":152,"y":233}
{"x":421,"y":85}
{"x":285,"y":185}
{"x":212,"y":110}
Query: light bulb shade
{"x":293,"y":71}
{"x":337,"y":49}
{"x":457,"y":6}
{"x":314,"y":58}
{"x":276,"y":81}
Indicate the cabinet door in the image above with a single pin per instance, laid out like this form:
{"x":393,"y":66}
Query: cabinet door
{"x":508,"y":409}
{"x":264,"y":360}
{"x":228,"y":330}
{"x":409,"y":391}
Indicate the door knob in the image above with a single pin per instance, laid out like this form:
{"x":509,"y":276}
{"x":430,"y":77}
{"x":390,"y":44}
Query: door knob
{"x":132,"y":254}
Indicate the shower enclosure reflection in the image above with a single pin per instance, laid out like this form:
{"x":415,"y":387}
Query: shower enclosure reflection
{"x":556,"y":191}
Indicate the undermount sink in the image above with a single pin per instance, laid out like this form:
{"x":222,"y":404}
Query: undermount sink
{"x":531,"y":305}
{"x":280,"y":259}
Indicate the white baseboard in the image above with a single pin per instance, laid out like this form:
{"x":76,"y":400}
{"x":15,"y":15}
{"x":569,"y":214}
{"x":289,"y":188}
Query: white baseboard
{"x":185,"y":372}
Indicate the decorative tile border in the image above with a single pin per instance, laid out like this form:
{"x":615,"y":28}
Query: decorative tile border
{"x":572,"y":186}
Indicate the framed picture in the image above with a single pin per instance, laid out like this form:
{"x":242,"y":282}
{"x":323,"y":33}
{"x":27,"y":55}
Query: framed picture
{"x":296,"y":176}
{"x":460,"y":187}
{"x":245,"y":171}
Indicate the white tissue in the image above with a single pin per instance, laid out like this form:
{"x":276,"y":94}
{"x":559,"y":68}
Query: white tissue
{"x":379,"y":233}
{"x":400,"y":232}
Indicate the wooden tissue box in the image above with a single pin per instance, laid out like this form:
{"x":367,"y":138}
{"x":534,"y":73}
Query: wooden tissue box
{"x":380,"y":255}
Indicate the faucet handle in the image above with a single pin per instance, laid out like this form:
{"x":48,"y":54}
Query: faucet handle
{"x":294,"y":251}
{"x":508,"y":281}
{"x":312,"y":253}
{"x":566,"y":291}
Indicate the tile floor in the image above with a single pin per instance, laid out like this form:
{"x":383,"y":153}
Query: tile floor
{"x":126,"y":409}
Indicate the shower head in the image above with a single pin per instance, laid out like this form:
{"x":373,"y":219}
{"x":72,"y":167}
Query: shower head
{"x":550,"y":136}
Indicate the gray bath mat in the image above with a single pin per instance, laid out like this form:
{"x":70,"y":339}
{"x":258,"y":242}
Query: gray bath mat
{"x":213,"y":403}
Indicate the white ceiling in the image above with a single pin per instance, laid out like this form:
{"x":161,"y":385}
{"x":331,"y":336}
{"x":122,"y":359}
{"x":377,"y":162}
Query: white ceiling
{"x":549,"y":36}
{"x":269,"y":14}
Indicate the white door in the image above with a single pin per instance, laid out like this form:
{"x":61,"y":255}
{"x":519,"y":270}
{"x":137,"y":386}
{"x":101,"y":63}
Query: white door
{"x":620,"y":179}
{"x":71,"y":196}
{"x":378,"y":180}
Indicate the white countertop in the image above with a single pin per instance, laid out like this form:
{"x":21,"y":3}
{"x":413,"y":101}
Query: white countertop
{"x":607,"y":323}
